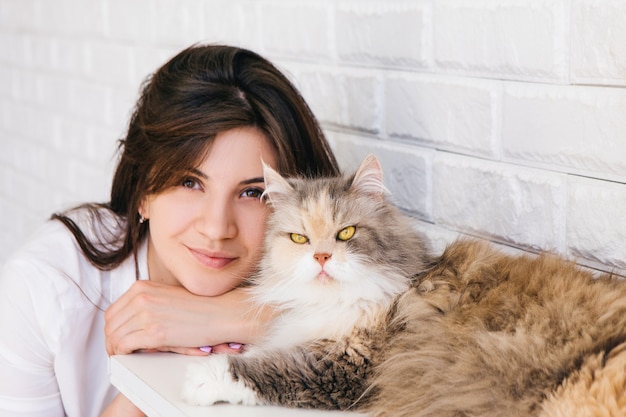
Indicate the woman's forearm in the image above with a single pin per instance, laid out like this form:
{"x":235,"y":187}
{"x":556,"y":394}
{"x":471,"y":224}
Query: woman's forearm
{"x":156,"y":316}
{"x":122,"y":407}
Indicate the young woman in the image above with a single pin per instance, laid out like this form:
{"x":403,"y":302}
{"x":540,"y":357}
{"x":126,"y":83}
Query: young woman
{"x":157,"y":267}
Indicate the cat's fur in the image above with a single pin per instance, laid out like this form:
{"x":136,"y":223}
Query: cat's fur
{"x":390,"y":331}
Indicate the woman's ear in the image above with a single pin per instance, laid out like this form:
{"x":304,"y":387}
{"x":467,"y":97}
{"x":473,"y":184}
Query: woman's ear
{"x":144,"y":209}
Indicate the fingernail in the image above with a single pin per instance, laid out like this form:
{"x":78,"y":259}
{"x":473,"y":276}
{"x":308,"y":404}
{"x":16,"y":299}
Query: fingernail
{"x":206,"y":349}
{"x":235,"y":346}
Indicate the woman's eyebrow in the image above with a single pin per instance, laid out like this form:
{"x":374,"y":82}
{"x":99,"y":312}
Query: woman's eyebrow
{"x":204,"y":176}
{"x":199,"y":173}
{"x":252,"y":181}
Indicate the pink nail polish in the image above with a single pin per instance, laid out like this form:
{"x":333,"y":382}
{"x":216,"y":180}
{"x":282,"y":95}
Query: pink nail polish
{"x":235,"y":346}
{"x":206,"y":349}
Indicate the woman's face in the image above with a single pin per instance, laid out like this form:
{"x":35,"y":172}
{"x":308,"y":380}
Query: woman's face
{"x":206,"y":233}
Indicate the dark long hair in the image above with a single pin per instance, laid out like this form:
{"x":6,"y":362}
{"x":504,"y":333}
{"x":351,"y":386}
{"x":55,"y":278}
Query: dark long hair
{"x":183,"y":106}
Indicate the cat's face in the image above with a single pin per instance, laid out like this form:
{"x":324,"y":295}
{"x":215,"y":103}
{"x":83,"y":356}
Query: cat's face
{"x":325,"y":238}
{"x":316,"y":237}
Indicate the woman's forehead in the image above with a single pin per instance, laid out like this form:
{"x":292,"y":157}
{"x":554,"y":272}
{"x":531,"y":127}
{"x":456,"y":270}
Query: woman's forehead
{"x":238,"y":151}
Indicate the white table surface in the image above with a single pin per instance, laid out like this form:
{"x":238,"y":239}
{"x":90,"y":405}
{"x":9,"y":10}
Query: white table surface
{"x":153,"y":382}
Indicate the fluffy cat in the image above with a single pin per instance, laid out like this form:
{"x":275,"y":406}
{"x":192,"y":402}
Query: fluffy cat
{"x":369,"y":321}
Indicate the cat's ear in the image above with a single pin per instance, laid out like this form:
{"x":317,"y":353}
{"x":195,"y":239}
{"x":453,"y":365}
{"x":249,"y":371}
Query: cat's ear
{"x":369,"y":178}
{"x":276,"y":187}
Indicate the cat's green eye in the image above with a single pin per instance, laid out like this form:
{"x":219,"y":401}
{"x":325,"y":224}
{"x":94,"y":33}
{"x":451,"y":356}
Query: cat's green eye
{"x":346,"y":233}
{"x":299,"y":239}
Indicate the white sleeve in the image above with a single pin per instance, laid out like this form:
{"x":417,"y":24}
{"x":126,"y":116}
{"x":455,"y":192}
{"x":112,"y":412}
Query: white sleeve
{"x":28,"y":385}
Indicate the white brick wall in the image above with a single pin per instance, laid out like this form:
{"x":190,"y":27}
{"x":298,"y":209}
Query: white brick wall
{"x":513,"y":39}
{"x":503,"y":119}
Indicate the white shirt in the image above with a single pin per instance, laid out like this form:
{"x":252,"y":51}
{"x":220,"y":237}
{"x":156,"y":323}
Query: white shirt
{"x":53,"y":360}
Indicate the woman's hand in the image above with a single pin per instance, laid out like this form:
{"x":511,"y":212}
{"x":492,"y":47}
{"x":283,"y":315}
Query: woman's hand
{"x":122,"y":407}
{"x":153,"y":316}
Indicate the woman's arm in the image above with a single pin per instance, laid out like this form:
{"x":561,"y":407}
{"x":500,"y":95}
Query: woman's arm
{"x":122,"y":407}
{"x":28,"y":386}
{"x":153,"y":316}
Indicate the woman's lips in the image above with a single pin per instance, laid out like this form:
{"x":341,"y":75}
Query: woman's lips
{"x":213,"y":260}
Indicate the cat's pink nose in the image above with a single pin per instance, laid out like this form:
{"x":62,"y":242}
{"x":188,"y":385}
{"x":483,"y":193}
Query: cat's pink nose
{"x":322,"y":257}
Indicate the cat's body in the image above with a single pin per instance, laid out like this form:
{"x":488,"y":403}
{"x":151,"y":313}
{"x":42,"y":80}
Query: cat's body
{"x":486,"y":334}
{"x":369,"y":322}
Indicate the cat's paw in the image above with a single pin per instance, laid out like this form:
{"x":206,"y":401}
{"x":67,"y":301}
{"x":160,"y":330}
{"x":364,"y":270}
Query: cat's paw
{"x":209,"y":381}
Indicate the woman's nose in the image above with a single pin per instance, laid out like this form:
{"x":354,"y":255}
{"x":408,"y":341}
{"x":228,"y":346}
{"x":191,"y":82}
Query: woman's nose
{"x":217,"y":219}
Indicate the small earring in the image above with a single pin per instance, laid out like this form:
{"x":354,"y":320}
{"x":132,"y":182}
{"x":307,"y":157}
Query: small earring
{"x":142,"y":219}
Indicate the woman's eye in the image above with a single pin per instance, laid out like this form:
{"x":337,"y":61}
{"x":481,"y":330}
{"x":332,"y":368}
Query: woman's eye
{"x":252,"y":193}
{"x":190,"y":183}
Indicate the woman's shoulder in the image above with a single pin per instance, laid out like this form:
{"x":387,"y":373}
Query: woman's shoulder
{"x":50,"y":242}
{"x":53,"y":259}
{"x":51,"y":294}
{"x":54,"y":242}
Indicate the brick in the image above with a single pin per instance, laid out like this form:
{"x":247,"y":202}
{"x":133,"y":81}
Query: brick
{"x":15,"y":49}
{"x":59,"y":179}
{"x":70,"y":56}
{"x":110,"y":63}
{"x":146,"y":60}
{"x":516,"y":205}
{"x":123,"y":103}
{"x":88,"y":144}
{"x":17,"y":15}
{"x":90,"y":101}
{"x":88,"y":181}
{"x":363,"y":101}
{"x":43,"y":51}
{"x":514,"y":39}
{"x":297,"y":29}
{"x":103,"y":143}
{"x":446,"y":112}
{"x":131,"y":20}
{"x":69,"y":17}
{"x":596,"y":229}
{"x":572,"y":129}
{"x":8,"y":77}
{"x":598,"y":42}
{"x":319,"y":87}
{"x":88,"y":18}
{"x":178,"y":23}
{"x":36,"y":158}
{"x":26,"y":86}
{"x":390,"y":33}
{"x":74,"y":139}
{"x":350,"y":98}
{"x":406,"y":169}
{"x":438,"y":237}
{"x":5,"y":134}
{"x":233,"y":23}
{"x":5,"y":156}
{"x":5,"y":112}
{"x":8,"y":154}
{"x":53,"y":17}
{"x":4,"y":184}
{"x":13,"y":232}
{"x":29,"y":122}
{"x":27,"y":191}
{"x":54,"y":92}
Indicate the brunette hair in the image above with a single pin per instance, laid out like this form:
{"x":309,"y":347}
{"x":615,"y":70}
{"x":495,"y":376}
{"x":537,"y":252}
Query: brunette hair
{"x":202,"y":91}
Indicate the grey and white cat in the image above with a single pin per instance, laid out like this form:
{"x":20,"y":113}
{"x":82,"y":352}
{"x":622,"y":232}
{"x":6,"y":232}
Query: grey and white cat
{"x":370,"y":321}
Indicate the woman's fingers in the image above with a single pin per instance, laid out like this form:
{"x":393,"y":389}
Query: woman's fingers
{"x":156,"y":316}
